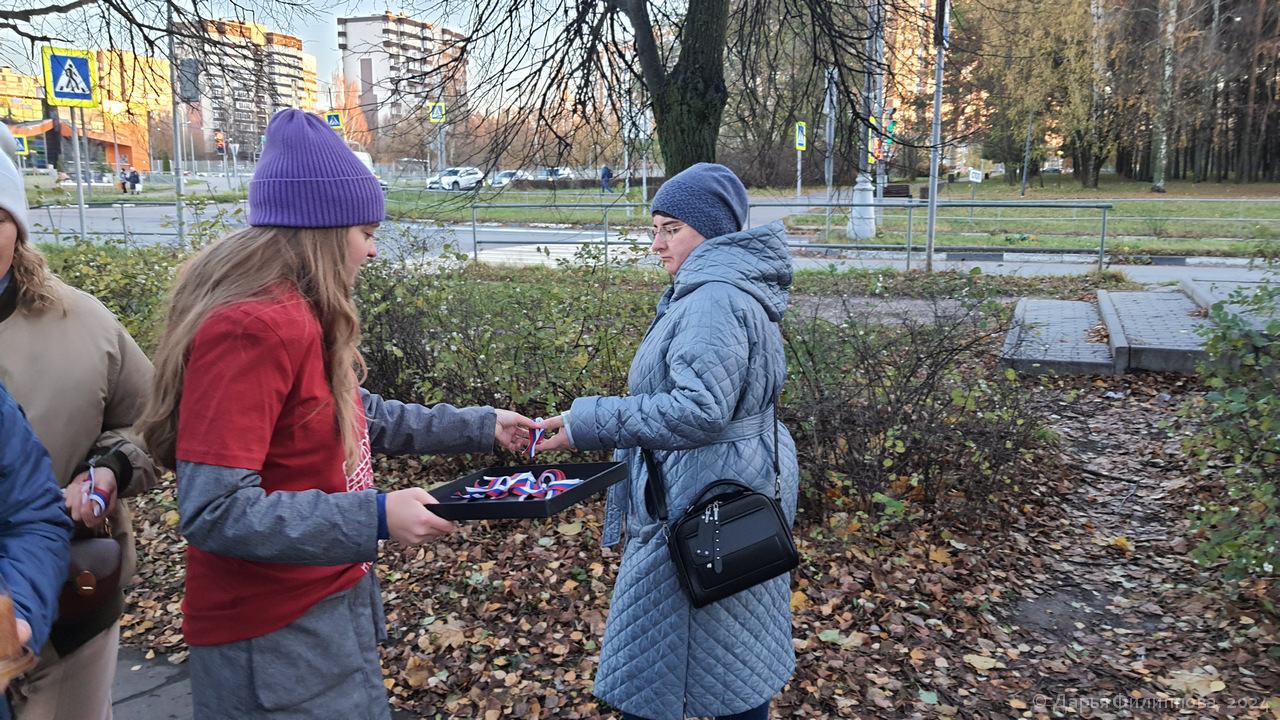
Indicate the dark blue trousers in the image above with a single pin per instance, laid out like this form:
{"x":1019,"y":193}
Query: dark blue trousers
{"x":760,"y":713}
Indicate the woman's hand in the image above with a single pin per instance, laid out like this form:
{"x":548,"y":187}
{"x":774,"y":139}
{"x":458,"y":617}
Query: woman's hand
{"x":559,"y":441}
{"x":408,"y":519}
{"x":81,"y":505}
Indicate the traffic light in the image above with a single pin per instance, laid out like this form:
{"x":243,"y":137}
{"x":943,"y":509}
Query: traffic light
{"x":220,"y":139}
{"x":890,"y":126}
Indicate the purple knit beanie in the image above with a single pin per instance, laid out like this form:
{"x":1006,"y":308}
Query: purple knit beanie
{"x":308,"y":177}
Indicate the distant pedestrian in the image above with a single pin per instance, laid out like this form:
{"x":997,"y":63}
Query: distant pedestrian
{"x":124,"y":182}
{"x":135,"y":181}
{"x":605,"y":176}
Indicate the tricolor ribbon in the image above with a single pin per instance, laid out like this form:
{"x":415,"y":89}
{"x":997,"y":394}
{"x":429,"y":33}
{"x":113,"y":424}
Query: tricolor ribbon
{"x":535,"y":437}
{"x":523,"y":485}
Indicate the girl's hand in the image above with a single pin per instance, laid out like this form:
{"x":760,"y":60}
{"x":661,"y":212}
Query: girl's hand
{"x":408,"y":519}
{"x":512,"y":430}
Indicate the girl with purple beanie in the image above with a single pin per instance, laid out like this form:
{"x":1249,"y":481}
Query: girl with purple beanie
{"x":257,"y":407}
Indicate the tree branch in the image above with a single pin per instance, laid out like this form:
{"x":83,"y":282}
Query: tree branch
{"x":28,"y":15}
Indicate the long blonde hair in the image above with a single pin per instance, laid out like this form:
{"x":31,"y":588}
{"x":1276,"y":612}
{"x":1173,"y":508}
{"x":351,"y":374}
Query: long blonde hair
{"x":243,"y":266}
{"x":38,"y":288}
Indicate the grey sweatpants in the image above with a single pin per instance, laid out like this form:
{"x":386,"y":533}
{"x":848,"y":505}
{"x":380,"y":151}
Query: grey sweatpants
{"x":323,"y":665}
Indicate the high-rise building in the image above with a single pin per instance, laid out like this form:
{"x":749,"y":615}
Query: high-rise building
{"x":20,"y":97}
{"x":246,"y":73}
{"x":398,"y":64}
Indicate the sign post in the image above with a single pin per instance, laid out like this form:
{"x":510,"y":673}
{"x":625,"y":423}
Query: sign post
{"x":69,"y":81}
{"x":23,"y":151}
{"x":941,"y":41}
{"x":975,"y":177}
{"x":802,"y":144}
{"x":435,"y":113}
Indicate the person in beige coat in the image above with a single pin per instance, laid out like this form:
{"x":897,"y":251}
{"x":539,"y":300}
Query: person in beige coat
{"x":82,"y":381}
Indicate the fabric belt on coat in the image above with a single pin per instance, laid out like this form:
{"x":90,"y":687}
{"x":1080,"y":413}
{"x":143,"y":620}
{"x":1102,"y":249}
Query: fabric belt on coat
{"x":744,"y":428}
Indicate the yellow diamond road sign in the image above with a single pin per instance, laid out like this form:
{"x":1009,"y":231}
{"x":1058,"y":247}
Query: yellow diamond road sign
{"x":334,"y":119}
{"x":70,"y":77}
{"x":437,"y":111}
{"x":23,"y":147}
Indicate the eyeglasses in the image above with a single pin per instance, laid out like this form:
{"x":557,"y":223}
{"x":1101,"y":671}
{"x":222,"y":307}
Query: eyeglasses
{"x":667,"y":231}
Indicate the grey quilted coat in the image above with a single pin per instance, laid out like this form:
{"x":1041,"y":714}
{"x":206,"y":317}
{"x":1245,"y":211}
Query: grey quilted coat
{"x":702,"y":387}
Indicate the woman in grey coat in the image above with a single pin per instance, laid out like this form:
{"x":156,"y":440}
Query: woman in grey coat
{"x":702,"y":384}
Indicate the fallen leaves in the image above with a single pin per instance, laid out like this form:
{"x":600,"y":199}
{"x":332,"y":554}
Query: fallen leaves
{"x":1082,"y":590}
{"x":1197,"y":681}
{"x":981,"y":662}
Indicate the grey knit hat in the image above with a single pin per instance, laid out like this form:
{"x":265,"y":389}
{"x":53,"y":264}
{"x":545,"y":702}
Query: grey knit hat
{"x":707,"y":197}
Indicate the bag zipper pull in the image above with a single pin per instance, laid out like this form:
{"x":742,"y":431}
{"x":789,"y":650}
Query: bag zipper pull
{"x":715,"y":560}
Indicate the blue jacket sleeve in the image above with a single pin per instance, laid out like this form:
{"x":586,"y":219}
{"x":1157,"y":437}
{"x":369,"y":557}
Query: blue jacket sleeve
{"x":35,"y":532}
{"x":706,"y":366}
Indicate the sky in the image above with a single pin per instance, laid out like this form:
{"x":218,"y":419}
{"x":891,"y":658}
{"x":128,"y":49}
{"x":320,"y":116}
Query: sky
{"x":318,"y":32}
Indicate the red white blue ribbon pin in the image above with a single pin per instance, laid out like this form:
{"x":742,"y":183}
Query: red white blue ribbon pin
{"x":523,"y":485}
{"x":535,"y":437}
{"x":96,"y":496}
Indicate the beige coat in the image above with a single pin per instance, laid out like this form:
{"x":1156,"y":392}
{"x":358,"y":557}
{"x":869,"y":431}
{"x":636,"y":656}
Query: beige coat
{"x":82,"y":381}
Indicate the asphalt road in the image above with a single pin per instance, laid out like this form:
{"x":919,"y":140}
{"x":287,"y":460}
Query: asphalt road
{"x":524,"y":245}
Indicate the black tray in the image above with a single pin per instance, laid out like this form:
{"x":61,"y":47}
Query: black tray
{"x":595,"y":478}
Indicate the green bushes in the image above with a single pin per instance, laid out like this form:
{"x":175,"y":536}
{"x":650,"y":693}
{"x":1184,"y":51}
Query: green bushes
{"x":1237,"y":444}
{"x":131,"y":282}
{"x":898,"y":408}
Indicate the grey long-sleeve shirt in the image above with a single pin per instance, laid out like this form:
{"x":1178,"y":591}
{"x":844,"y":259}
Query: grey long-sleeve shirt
{"x":225,"y":511}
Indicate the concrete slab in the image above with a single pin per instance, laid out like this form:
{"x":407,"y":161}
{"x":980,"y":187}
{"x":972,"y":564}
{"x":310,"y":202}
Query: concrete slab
{"x":1161,"y":331}
{"x":1050,"y":336}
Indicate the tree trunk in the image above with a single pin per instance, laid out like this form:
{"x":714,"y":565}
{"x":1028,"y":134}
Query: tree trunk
{"x":1244,"y":166}
{"x":688,"y":101}
{"x":1092,"y":138}
{"x":1160,"y":127}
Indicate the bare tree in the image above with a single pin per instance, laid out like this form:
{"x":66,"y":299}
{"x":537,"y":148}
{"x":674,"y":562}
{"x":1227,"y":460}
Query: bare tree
{"x":558,"y":70}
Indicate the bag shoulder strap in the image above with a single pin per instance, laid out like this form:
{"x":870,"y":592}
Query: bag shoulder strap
{"x":655,"y":488}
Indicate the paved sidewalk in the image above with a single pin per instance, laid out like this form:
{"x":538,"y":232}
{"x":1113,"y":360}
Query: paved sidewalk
{"x":156,"y":689}
{"x":150,"y":689}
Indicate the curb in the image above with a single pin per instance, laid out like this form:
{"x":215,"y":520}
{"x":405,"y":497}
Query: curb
{"x":1116,"y":338}
{"x":1013,"y":338}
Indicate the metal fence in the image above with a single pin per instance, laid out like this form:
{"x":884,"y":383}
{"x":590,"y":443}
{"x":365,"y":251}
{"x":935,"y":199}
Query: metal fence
{"x":910,"y":207}
{"x":898,"y":216}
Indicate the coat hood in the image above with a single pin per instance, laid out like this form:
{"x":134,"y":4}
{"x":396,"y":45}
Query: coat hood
{"x":755,"y":260}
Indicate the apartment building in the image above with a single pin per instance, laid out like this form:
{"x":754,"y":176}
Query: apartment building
{"x":246,"y":74}
{"x":20,"y":97}
{"x":398,"y":64}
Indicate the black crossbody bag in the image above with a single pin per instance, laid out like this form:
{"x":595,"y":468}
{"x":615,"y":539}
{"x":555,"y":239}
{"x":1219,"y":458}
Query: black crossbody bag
{"x":731,"y":537}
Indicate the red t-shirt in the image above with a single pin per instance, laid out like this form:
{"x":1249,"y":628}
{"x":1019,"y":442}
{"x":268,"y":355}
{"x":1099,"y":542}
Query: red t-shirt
{"x":255,"y":396}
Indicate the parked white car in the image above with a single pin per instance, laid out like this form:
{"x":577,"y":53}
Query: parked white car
{"x":457,"y":178}
{"x":505,"y":177}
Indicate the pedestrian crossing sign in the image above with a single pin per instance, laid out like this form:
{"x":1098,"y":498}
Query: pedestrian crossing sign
{"x":70,"y":77}
{"x":23,"y":147}
{"x":436,"y":110}
{"x":334,"y":119}
{"x":802,"y":140}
